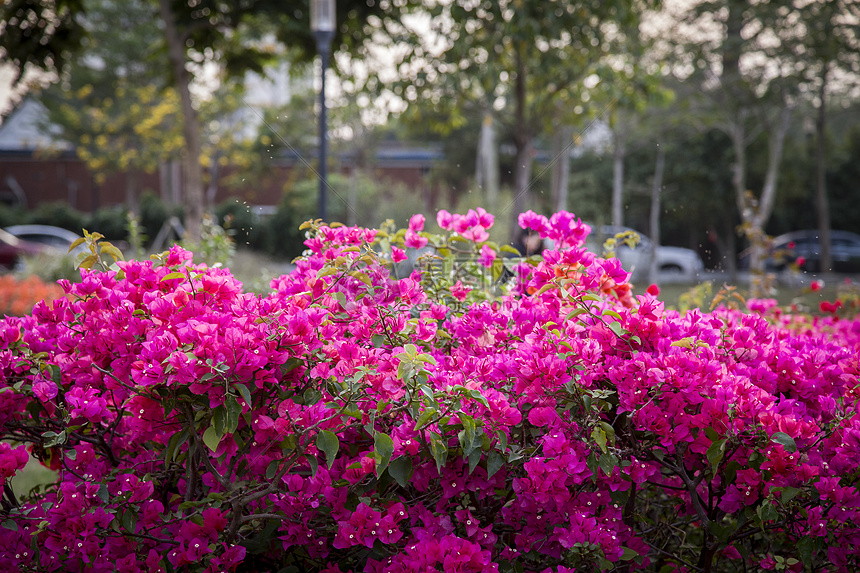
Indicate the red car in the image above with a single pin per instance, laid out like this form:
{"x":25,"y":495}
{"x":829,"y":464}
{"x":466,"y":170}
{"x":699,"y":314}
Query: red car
{"x":12,"y":249}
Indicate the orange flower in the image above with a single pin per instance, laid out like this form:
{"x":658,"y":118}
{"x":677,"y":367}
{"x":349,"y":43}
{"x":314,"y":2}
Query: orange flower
{"x":17,"y":296}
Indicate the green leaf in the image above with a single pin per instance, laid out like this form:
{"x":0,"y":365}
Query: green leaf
{"x":474,"y":459}
{"x":789,"y":493}
{"x":129,"y":520}
{"x":173,"y":445}
{"x":469,"y":433}
{"x":766,"y":512}
{"x":599,"y":437}
{"x":401,"y":470}
{"x":607,"y":463}
{"x":383,"y":447}
{"x":246,"y":394}
{"x":10,"y":524}
{"x":439,"y":451}
{"x":617,"y":328}
{"x":716,"y":452}
{"x":684,"y":343}
{"x":272,"y":469}
{"x":576,"y":312}
{"x":503,"y":440}
{"x":233,"y":412}
{"x":211,"y":438}
{"x":219,"y":419}
{"x":311,"y":396}
{"x":610,"y":432}
{"x":312,"y":461}
{"x":424,"y":417}
{"x":629,"y":554}
{"x":784,"y":439}
{"x":476,"y":394}
{"x":54,"y":439}
{"x":328,"y":444}
{"x":807,"y":547}
{"x":712,"y":434}
{"x":495,"y":461}
{"x":171,"y":276}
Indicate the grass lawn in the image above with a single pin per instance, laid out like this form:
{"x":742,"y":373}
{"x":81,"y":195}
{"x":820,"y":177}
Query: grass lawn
{"x":785,"y":294}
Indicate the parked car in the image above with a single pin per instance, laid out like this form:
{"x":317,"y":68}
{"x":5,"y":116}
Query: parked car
{"x":674,"y":264}
{"x":55,"y":238}
{"x":805,"y":245}
{"x":13,"y":248}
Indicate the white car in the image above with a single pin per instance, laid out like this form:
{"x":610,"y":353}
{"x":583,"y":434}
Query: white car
{"x":56,"y":238}
{"x":674,"y":264}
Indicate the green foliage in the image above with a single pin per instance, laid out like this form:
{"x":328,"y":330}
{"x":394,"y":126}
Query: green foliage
{"x":58,"y":214}
{"x":50,"y":268}
{"x":153,"y":214}
{"x":40,"y":34}
{"x":375,"y":202}
{"x":136,"y":238}
{"x":215,"y":246}
{"x":245,"y":227}
{"x":110,"y":222}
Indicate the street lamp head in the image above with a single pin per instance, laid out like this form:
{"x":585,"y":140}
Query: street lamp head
{"x":323,"y":16}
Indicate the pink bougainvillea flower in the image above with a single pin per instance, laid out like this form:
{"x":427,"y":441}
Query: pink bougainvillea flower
{"x":460,"y":291}
{"x":653,"y":290}
{"x":487,"y":256}
{"x":414,"y":240}
{"x":398,"y":255}
{"x":444,"y":219}
{"x":416,"y":222}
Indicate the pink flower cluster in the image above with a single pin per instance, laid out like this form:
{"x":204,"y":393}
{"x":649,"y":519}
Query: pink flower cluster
{"x":473,"y":225}
{"x":348,"y":421}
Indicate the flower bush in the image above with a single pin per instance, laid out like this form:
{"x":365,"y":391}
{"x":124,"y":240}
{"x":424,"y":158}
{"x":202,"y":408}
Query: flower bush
{"x":455,"y":420}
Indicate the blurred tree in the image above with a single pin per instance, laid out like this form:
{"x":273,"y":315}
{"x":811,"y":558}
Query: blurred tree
{"x":824,"y":41}
{"x":110,"y":104}
{"x":515,"y":59}
{"x":734,"y":51}
{"x":44,"y":33}
{"x":41,"y":34}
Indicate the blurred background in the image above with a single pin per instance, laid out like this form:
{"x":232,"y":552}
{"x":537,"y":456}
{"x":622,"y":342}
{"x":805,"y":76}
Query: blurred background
{"x":709,"y":126}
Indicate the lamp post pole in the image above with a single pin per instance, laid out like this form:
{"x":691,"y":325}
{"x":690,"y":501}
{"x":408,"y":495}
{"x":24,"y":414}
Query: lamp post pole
{"x":323,"y":28}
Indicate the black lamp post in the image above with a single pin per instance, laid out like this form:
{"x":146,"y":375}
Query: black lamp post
{"x":323,"y":27}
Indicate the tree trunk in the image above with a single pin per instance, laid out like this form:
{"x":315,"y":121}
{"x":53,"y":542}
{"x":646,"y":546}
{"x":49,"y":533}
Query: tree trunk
{"x":488,"y":161}
{"x":561,"y":168}
{"x":618,"y":179}
{"x":524,"y":142}
{"x":822,"y":206}
{"x":522,"y":176}
{"x":654,"y":220}
{"x":352,"y":207}
{"x":193,"y":172}
{"x":132,"y":189}
{"x":214,"y":177}
{"x":756,"y":213}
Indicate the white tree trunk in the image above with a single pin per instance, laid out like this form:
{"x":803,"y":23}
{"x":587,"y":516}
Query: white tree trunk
{"x":193,"y":192}
{"x":654,"y":219}
{"x":618,"y":179}
{"x":561,"y":168}
{"x":488,"y":161}
{"x":756,"y":212}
